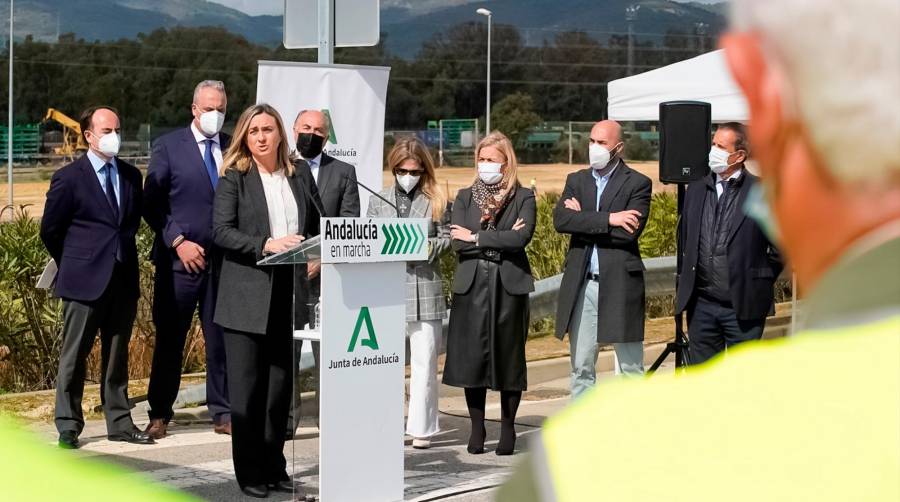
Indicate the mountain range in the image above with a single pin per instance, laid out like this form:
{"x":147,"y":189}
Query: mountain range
{"x":406,"y":24}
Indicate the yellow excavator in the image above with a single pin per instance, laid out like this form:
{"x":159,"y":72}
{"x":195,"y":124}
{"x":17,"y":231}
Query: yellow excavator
{"x":73,"y":140}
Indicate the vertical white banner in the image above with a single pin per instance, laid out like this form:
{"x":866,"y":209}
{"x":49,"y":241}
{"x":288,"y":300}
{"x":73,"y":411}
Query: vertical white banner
{"x":354,"y":98}
{"x":361,"y":384}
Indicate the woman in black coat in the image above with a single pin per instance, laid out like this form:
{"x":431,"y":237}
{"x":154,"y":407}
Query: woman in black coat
{"x":491,"y":223}
{"x":262,"y":207}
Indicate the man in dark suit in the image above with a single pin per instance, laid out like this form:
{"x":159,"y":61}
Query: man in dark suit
{"x":337,"y":195}
{"x":728,"y":266}
{"x":601,"y":298}
{"x":91,"y":216}
{"x":178,"y":206}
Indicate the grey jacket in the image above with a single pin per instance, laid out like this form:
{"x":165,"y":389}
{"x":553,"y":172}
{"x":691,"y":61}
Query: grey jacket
{"x":240,"y":230}
{"x":424,"y":285}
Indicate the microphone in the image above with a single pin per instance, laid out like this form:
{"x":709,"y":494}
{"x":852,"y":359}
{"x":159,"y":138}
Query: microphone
{"x":376,"y":194}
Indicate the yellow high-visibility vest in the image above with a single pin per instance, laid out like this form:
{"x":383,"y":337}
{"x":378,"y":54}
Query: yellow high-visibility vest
{"x":813,"y":417}
{"x":31,"y":471}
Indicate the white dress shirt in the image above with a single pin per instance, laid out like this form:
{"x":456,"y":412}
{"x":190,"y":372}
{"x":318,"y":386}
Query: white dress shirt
{"x":97,"y":163}
{"x":216,"y":148}
{"x":282,"y":207}
{"x":314,"y":164}
{"x":720,"y":186}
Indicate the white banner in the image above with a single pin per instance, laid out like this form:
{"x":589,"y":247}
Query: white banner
{"x":352,"y":96}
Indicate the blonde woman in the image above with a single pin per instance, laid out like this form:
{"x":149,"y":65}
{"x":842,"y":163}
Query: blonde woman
{"x":261,"y":207}
{"x":416,"y":194}
{"x":492,"y":222}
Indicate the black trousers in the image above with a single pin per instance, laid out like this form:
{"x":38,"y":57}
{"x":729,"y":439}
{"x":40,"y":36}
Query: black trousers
{"x":259,"y":377}
{"x":293,"y":421}
{"x":113,"y":316}
{"x":714,"y":327}
{"x":176,"y":295}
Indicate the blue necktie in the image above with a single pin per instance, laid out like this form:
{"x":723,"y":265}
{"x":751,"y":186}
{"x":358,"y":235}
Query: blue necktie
{"x":111,"y":191}
{"x":210,"y":162}
{"x":114,"y":205}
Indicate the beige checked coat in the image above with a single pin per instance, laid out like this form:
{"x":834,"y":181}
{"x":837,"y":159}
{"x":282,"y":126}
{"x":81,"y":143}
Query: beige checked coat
{"x":424,"y":285}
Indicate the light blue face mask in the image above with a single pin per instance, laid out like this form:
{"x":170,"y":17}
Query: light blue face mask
{"x":757,"y":208}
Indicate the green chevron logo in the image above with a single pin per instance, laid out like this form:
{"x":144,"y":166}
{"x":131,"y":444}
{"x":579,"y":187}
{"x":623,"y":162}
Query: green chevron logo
{"x":402,"y":238}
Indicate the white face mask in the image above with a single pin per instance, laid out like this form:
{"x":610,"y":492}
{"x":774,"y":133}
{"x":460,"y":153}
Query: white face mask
{"x":407,"y":181}
{"x":718,"y":160}
{"x":109,"y":144}
{"x":211,"y":122}
{"x":599,"y":156}
{"x":489,"y":172}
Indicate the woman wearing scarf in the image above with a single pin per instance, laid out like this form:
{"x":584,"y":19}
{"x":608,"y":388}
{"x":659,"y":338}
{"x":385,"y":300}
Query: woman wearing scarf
{"x":491,"y":223}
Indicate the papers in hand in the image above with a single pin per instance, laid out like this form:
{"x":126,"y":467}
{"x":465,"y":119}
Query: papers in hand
{"x":48,"y":276}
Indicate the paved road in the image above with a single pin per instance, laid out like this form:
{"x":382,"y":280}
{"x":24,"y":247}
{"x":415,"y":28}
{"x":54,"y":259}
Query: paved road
{"x":194,"y":459}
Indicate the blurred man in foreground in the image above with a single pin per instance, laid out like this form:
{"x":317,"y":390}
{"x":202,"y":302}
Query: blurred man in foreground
{"x":816,"y":416}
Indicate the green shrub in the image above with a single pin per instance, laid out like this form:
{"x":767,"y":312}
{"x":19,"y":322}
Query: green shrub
{"x":659,"y":234}
{"x":30,"y":318}
{"x":637,"y":148}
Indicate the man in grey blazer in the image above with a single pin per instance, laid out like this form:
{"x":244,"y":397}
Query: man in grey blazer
{"x":335,"y":183}
{"x":601,"y":299}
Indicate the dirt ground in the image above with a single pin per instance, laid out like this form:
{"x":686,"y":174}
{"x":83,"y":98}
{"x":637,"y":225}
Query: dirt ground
{"x":546,"y":177}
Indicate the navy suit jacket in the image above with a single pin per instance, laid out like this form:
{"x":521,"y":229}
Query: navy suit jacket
{"x":81,"y":234}
{"x":178,"y":195}
{"x":754,"y":264}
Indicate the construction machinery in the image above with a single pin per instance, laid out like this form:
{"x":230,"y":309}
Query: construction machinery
{"x":73,"y":140}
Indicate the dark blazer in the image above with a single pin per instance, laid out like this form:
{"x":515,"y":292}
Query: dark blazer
{"x":753,"y":262}
{"x":337,"y":187}
{"x":81,"y":234}
{"x":515,"y":271}
{"x":621,"y":296}
{"x":240,"y":230}
{"x":178,"y":196}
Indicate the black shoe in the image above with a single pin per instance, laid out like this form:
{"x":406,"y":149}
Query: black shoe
{"x":68,"y":440}
{"x":282,"y":486}
{"x":134,"y":436}
{"x":507,"y":443}
{"x":256,"y":491}
{"x":476,"y":440}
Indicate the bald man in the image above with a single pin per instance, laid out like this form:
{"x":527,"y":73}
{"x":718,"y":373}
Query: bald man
{"x":601,"y":298}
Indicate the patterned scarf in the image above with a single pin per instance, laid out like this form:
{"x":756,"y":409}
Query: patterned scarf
{"x":491,"y":199}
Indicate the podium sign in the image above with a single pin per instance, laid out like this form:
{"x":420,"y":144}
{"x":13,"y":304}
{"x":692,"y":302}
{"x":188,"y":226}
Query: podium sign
{"x":367,"y":240}
{"x":362,"y":354}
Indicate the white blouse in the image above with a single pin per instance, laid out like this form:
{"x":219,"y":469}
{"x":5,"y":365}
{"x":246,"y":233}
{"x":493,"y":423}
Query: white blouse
{"x":283,"y":215}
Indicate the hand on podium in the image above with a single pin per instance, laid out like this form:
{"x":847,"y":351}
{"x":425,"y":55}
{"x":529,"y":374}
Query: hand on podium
{"x":275,"y":246}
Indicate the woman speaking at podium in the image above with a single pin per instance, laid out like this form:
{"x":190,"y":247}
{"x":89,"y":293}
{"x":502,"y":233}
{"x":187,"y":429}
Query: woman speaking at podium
{"x":261,"y":208}
{"x":415,"y":194}
{"x":492,"y":222}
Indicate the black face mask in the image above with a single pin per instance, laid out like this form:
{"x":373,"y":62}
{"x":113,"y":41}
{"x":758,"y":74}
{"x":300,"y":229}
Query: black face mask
{"x":310,"y":145}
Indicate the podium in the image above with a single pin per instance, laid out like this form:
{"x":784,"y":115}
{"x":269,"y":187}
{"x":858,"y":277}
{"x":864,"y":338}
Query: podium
{"x":362,"y":329}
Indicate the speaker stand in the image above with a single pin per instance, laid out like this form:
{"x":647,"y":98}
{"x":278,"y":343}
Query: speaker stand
{"x":679,"y":347}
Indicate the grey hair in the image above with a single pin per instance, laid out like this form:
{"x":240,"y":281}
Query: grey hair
{"x":740,"y":135}
{"x":327,"y":119}
{"x":209,"y":84}
{"x":840,"y":79}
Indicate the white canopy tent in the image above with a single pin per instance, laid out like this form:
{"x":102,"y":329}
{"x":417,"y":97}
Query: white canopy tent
{"x":703,"y":78}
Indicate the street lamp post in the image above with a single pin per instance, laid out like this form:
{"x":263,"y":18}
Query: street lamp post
{"x":631,"y":15}
{"x":701,"y":35}
{"x":9,"y":132}
{"x":487,"y":117}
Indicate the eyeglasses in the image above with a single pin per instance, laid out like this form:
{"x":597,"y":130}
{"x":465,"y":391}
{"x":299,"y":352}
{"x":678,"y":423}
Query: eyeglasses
{"x":403,"y":172}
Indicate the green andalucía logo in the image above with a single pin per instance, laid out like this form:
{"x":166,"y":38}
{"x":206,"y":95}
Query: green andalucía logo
{"x":370,"y":341}
{"x":332,"y":136}
{"x":402,"y":238}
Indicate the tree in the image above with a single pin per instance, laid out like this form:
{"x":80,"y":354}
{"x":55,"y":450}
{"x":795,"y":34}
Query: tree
{"x":514,"y":115}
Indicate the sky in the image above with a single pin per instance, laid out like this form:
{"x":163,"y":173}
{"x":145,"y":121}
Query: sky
{"x":276,"y":7}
